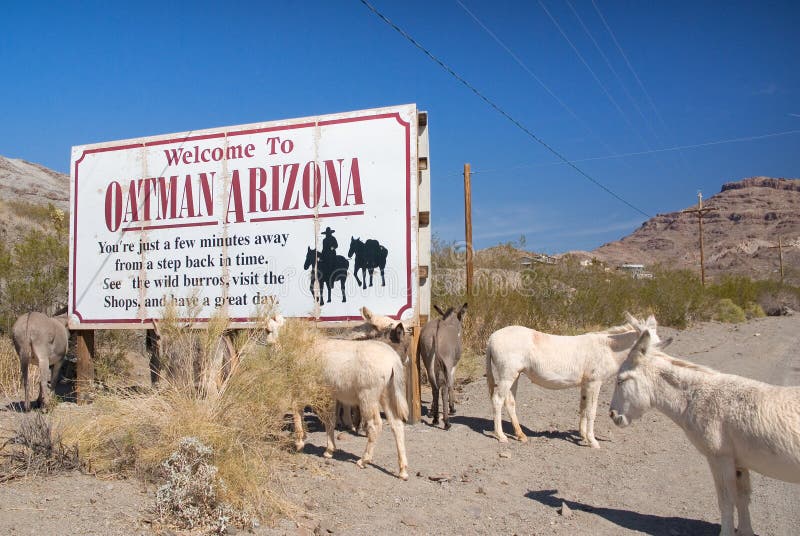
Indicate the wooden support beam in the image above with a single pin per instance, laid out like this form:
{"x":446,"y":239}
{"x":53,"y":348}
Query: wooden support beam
{"x":424,"y":218}
{"x":84,"y":350}
{"x":413,"y":396}
{"x":468,"y":225}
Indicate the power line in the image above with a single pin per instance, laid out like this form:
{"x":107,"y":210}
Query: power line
{"x":635,"y":75}
{"x":498,"y":109}
{"x":641,"y":153}
{"x":533,"y":75}
{"x":611,"y":99}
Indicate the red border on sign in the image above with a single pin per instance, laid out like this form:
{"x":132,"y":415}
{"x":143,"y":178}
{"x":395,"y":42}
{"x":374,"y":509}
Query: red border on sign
{"x":395,"y":115}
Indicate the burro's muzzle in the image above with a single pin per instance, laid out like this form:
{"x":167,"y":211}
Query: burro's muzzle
{"x":619,"y":420}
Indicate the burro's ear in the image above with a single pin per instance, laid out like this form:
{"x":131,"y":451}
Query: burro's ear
{"x":366,"y":314}
{"x":439,"y":310}
{"x":630,"y":319}
{"x":639,"y":351}
{"x":651,"y":322}
{"x":155,"y":328}
{"x":462,"y":311}
{"x":664,"y":343}
{"x":398,"y":332}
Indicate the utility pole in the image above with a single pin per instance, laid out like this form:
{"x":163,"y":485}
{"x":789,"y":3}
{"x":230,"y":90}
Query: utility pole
{"x":468,"y":225}
{"x":700,"y":211}
{"x":779,"y":247}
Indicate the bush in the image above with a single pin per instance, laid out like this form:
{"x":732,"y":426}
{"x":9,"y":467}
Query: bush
{"x":753,"y":310}
{"x":727,"y":311}
{"x":36,"y":448}
{"x":33,"y":274}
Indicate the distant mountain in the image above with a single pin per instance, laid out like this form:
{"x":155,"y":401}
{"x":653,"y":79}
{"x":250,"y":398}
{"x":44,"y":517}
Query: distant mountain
{"x":749,"y":217}
{"x":32,"y":183}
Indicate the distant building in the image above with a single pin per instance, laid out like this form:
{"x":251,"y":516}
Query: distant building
{"x":539,"y":258}
{"x":636,"y":271}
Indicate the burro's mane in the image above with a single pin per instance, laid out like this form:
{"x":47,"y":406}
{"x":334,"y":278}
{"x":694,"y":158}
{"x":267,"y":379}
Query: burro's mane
{"x":680,"y":363}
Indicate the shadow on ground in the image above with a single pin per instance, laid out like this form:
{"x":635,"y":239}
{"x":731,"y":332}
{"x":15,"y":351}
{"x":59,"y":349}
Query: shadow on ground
{"x":486,"y":427}
{"x":645,"y":523}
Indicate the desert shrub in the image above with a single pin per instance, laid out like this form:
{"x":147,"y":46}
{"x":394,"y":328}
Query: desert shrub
{"x":775,"y":297}
{"x":36,"y":448}
{"x":736,"y":288}
{"x":33,"y":273}
{"x":727,"y":311}
{"x":675,"y":297}
{"x":191,"y":496}
{"x":242,"y":421}
{"x":753,"y":310}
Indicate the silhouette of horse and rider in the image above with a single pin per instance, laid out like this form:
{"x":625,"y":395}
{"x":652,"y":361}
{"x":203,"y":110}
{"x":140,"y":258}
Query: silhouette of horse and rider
{"x":327,"y":267}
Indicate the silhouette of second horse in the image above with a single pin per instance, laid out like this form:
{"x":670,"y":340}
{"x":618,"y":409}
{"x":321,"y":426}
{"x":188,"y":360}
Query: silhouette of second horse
{"x":369,"y":255}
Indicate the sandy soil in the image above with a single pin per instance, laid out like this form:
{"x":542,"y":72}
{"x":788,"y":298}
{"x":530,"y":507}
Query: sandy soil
{"x":645,"y":479}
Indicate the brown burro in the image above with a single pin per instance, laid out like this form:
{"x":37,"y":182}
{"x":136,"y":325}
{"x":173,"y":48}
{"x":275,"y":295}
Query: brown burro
{"x":440,"y":351}
{"x":43,"y":340}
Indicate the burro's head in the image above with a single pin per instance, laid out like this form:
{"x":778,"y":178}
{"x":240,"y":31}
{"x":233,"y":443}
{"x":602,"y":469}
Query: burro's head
{"x":632,"y":392}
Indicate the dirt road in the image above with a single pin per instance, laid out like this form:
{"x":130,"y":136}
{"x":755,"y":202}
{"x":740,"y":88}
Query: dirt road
{"x":645,"y":479}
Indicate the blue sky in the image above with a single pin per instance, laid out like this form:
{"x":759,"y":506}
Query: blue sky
{"x":646,"y":77}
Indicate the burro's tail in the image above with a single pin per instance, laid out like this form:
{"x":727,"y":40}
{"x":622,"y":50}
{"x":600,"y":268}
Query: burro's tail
{"x":489,"y":365}
{"x":397,"y":390}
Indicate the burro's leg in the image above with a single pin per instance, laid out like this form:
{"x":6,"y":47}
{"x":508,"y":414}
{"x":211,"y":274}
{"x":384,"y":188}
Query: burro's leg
{"x":511,"y":406}
{"x":724,"y":472}
{"x":328,"y":418}
{"x":374,"y":424}
{"x":399,"y":439}
{"x":593,"y":390}
{"x":23,"y":366}
{"x":501,"y":390}
{"x":583,"y":422}
{"x":44,"y":376}
{"x":299,"y":432}
{"x":445,"y":390}
{"x":743,"y":502}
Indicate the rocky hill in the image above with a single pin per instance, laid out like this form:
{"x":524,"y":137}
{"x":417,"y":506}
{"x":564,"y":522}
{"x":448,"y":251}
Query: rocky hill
{"x":32,"y":183}
{"x":26,"y":189}
{"x":749,"y":217}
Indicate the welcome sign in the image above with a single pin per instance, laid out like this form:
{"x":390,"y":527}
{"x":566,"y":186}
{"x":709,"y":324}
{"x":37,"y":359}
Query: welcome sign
{"x":317,"y":214}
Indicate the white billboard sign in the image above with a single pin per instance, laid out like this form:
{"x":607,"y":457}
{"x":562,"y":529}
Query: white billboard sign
{"x":317,"y":213}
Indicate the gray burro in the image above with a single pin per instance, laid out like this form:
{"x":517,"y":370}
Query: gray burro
{"x":44,"y":340}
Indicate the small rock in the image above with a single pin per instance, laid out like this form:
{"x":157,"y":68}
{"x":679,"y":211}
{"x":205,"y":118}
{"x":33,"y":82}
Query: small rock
{"x":565,"y":510}
{"x":92,"y":500}
{"x":757,"y":334}
{"x":505,"y":454}
{"x":439,"y":478}
{"x":480,"y":490}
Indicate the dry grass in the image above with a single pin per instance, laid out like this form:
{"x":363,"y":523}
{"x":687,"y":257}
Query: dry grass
{"x":11,"y":376}
{"x":242,"y":419}
{"x":36,"y":448}
{"x":9,"y":369}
